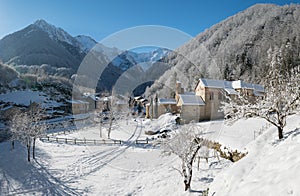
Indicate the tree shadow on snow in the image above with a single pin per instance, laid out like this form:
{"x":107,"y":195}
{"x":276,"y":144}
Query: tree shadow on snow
{"x":18,"y":176}
{"x":291,"y":134}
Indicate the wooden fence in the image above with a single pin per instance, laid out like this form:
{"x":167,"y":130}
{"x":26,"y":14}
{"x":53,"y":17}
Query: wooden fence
{"x":77,"y":141}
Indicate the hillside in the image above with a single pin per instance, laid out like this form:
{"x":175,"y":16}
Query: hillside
{"x":236,"y":48}
{"x":271,"y":167}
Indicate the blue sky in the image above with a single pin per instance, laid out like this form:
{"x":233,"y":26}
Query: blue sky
{"x":100,"y":18}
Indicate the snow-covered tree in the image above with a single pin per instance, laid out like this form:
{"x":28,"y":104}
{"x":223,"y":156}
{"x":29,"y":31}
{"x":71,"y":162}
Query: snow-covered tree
{"x":18,"y":128}
{"x":26,"y":127}
{"x":185,"y":144}
{"x":38,"y":128}
{"x":281,"y":99}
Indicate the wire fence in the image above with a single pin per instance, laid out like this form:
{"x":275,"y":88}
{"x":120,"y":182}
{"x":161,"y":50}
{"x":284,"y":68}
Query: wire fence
{"x":261,"y":130}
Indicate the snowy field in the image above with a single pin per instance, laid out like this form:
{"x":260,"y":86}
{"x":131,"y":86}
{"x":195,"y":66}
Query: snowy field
{"x":270,"y":168}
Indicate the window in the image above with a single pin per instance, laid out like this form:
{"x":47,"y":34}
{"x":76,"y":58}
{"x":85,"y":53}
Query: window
{"x":211,"y":95}
{"x":220,"y":96}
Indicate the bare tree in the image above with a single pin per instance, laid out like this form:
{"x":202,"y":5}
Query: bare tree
{"x":26,"y":127}
{"x":38,"y":127}
{"x":111,"y":112}
{"x":19,"y":124}
{"x":116,"y":109}
{"x":185,"y":144}
{"x":281,"y":99}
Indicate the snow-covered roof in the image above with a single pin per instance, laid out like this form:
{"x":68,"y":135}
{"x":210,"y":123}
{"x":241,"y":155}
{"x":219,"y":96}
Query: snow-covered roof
{"x":230,"y":91}
{"x":93,"y":97}
{"x":191,"y":99}
{"x":138,"y":97}
{"x":77,"y":102}
{"x":189,"y":93}
{"x":258,"y":88}
{"x":166,"y":101}
{"x":215,"y":83}
{"x":143,"y":100}
{"x":241,"y":84}
{"x":105,"y":99}
{"x":229,"y":86}
{"x":258,"y":94}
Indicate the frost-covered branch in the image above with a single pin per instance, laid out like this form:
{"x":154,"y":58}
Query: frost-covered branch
{"x":185,"y":144}
{"x":26,"y":127}
{"x":281,"y":99}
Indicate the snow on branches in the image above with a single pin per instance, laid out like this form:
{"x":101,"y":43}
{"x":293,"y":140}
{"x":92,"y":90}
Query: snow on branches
{"x":26,"y":127}
{"x":185,"y":144}
{"x":281,"y":99}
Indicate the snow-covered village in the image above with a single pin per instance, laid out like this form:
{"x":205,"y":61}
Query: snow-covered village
{"x":158,"y":105}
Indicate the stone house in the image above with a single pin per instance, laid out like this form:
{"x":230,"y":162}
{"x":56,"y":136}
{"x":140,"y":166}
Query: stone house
{"x":191,"y":107}
{"x":161,"y":106}
{"x":204,"y":103}
{"x":78,"y":106}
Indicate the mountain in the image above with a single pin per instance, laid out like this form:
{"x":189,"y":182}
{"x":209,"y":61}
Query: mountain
{"x":41,"y":43}
{"x":135,"y":71}
{"x":43,"y":49}
{"x":86,"y":43}
{"x":56,"y":33}
{"x":236,"y":48}
{"x":147,"y":59}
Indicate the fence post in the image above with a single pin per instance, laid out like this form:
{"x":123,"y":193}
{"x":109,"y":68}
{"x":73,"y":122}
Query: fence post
{"x":75,"y":141}
{"x":95,"y":142}
{"x":56,"y":140}
{"x":84,"y":140}
{"x":48,"y":138}
{"x":66,"y":140}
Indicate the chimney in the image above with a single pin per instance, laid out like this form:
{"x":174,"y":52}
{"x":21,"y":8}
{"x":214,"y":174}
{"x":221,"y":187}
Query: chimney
{"x":179,"y":89}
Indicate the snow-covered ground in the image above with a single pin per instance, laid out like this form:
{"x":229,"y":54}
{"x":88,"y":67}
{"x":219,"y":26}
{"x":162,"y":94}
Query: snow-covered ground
{"x":25,"y":97}
{"x":270,"y":168}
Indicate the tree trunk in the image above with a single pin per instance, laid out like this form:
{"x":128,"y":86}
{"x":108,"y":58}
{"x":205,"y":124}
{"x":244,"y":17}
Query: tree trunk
{"x":190,"y":170}
{"x":280,"y":132}
{"x":28,"y":151}
{"x":33,"y":148}
{"x":13,"y":145}
{"x":110,"y":125}
{"x":100,"y":129}
{"x":187,"y":175}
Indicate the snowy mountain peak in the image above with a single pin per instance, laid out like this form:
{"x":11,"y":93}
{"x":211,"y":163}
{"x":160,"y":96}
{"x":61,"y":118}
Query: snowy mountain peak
{"x":44,"y":25}
{"x":55,"y":33}
{"x":86,"y":42}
